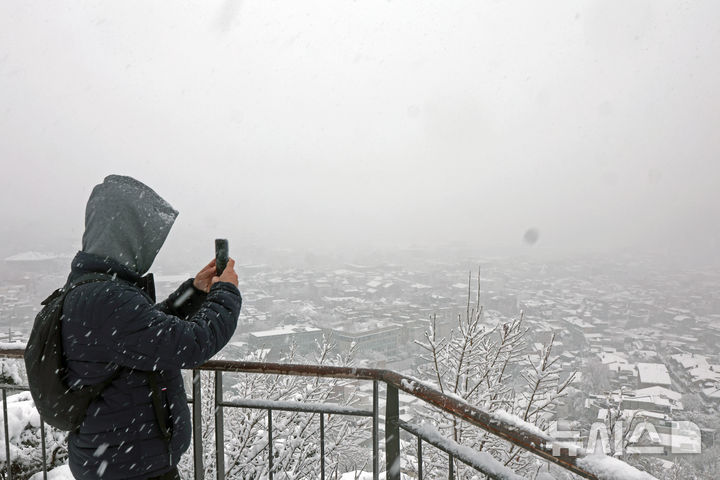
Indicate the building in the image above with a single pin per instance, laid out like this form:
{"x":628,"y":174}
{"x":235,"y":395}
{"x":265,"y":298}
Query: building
{"x":279,"y":340}
{"x":650,"y":374}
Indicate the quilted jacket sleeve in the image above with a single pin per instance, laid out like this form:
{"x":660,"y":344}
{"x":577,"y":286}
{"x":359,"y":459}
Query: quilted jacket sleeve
{"x":141,"y":335}
{"x":184,"y":302}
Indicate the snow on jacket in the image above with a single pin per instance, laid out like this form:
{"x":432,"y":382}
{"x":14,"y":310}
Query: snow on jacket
{"x":115,"y":325}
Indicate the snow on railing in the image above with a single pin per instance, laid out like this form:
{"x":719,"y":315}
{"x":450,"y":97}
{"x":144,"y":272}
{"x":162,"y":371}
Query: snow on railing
{"x":481,"y":461}
{"x":502,"y":424}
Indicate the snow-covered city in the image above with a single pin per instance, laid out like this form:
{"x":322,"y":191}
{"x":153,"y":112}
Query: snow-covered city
{"x":633,"y":341}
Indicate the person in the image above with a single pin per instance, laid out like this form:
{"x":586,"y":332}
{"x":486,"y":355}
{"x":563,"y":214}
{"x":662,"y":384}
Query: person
{"x":139,"y":426}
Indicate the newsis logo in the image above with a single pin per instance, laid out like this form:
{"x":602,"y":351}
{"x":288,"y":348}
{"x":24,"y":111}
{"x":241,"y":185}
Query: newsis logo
{"x":643,"y":438}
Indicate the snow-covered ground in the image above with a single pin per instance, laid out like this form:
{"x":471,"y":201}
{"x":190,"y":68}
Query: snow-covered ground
{"x":21,"y":415}
{"x":60,"y":473}
{"x":23,"y":421}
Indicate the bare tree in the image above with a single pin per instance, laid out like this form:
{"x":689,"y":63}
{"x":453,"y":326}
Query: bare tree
{"x":489,"y":366}
{"x":296,"y":436}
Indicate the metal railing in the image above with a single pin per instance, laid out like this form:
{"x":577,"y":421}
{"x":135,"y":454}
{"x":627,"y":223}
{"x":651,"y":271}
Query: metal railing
{"x":540,"y":445}
{"x":395,"y":382}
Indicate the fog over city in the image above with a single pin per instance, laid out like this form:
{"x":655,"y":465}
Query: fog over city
{"x":508,"y":209}
{"x":361,"y":124}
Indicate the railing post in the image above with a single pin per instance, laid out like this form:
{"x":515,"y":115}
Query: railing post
{"x":43,"y":448}
{"x":219,"y":427}
{"x":419,"y":458}
{"x":451,"y":468}
{"x":8,"y":463}
{"x":375,"y":435}
{"x":392,"y":433}
{"x":322,"y":446}
{"x":270,"y":445}
{"x":197,"y":426}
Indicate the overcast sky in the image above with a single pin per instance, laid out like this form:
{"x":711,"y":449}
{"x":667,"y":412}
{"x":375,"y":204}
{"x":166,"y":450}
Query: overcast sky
{"x":340,"y":124}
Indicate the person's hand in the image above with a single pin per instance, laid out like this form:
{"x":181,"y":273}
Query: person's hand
{"x":203,"y":280}
{"x":228,"y":275}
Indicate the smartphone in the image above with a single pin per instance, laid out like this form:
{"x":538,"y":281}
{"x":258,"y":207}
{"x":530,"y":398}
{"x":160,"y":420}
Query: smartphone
{"x":221,"y":254}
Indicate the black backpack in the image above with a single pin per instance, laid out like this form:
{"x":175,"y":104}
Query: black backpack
{"x":58,"y":405}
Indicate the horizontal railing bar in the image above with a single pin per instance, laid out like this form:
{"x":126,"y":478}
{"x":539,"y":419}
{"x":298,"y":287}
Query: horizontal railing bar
{"x":12,"y":352}
{"x":7,"y":386}
{"x":292,"y":369}
{"x":297,"y":407}
{"x":455,"y":450}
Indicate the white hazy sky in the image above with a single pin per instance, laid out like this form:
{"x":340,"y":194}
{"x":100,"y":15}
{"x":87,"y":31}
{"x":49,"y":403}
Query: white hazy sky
{"x":337,"y":123}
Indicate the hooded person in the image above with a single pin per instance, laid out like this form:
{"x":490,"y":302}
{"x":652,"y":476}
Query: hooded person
{"x":113,"y":330}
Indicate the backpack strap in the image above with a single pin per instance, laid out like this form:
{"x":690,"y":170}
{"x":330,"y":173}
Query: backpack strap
{"x":97,"y":388}
{"x":87,"y":278}
{"x":52,"y":296}
{"x":159,"y":411}
{"x":83,"y":279}
{"x":90,"y":277}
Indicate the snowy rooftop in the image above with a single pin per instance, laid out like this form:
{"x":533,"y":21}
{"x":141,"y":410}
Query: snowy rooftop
{"x":606,"y":357}
{"x":659,"y":392}
{"x":33,"y":256}
{"x":689,"y":361}
{"x":171,"y":278}
{"x":286,"y":330}
{"x":653,"y":373}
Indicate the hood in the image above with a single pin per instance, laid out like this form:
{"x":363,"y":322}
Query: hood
{"x":126,"y":221}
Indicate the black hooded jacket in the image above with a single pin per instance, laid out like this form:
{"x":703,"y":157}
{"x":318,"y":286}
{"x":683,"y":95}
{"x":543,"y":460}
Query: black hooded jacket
{"x":116,"y":325}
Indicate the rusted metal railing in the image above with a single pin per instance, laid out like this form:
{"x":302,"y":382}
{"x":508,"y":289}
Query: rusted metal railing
{"x":540,"y":445}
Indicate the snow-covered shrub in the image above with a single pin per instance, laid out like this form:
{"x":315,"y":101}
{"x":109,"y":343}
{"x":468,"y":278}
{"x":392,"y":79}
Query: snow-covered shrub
{"x":11,"y":371}
{"x":296,"y":436}
{"x":25,"y":438}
